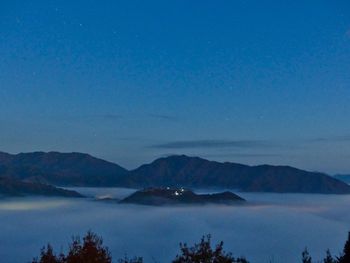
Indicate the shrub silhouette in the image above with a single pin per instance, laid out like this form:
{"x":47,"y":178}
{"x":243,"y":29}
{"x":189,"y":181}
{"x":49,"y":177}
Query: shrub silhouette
{"x":47,"y":256}
{"x":306,"y":258}
{"x":204,"y":253}
{"x":345,"y":257}
{"x":91,"y":250}
{"x":329,"y":258}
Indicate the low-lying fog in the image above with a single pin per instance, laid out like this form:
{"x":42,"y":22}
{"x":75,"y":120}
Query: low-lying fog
{"x":271,"y":227}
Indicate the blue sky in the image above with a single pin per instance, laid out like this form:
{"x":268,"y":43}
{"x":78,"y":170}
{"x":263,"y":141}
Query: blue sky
{"x":129,"y":81}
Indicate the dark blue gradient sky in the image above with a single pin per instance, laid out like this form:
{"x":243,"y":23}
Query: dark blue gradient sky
{"x":244,"y":81}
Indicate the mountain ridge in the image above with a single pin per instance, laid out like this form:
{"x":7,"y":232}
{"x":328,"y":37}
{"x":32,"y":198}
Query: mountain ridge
{"x":343,"y":177}
{"x":78,"y":169}
{"x":73,"y":169}
{"x":15,"y":187}
{"x":181,"y":170}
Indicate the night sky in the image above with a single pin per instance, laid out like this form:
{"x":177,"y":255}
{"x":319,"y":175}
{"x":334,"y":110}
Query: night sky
{"x":129,"y":81}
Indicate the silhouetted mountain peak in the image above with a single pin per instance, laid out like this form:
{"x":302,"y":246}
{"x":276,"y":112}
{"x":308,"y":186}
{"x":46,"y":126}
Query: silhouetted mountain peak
{"x":62,"y":168}
{"x":180,"y":196}
{"x":182,"y":170}
{"x":14,"y":187}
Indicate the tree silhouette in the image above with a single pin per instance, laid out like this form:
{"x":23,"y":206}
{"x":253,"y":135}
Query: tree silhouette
{"x":306,"y":256}
{"x":47,"y":255}
{"x":329,"y":258}
{"x":204,"y":253}
{"x":90,"y":251}
{"x":345,"y":258}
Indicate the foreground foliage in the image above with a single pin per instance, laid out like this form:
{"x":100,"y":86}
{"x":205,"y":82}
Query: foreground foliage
{"x":343,"y":258}
{"x":204,"y":253}
{"x":92,"y":250}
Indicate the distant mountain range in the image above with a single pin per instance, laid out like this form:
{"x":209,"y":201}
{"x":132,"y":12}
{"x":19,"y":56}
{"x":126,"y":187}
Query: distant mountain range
{"x":15,"y":187}
{"x":343,"y":177}
{"x":77,"y":169}
{"x":73,"y":169}
{"x":196,"y":172}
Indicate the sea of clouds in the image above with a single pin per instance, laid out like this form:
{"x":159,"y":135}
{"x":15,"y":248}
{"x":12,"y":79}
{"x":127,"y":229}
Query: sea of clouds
{"x":269,"y":228}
